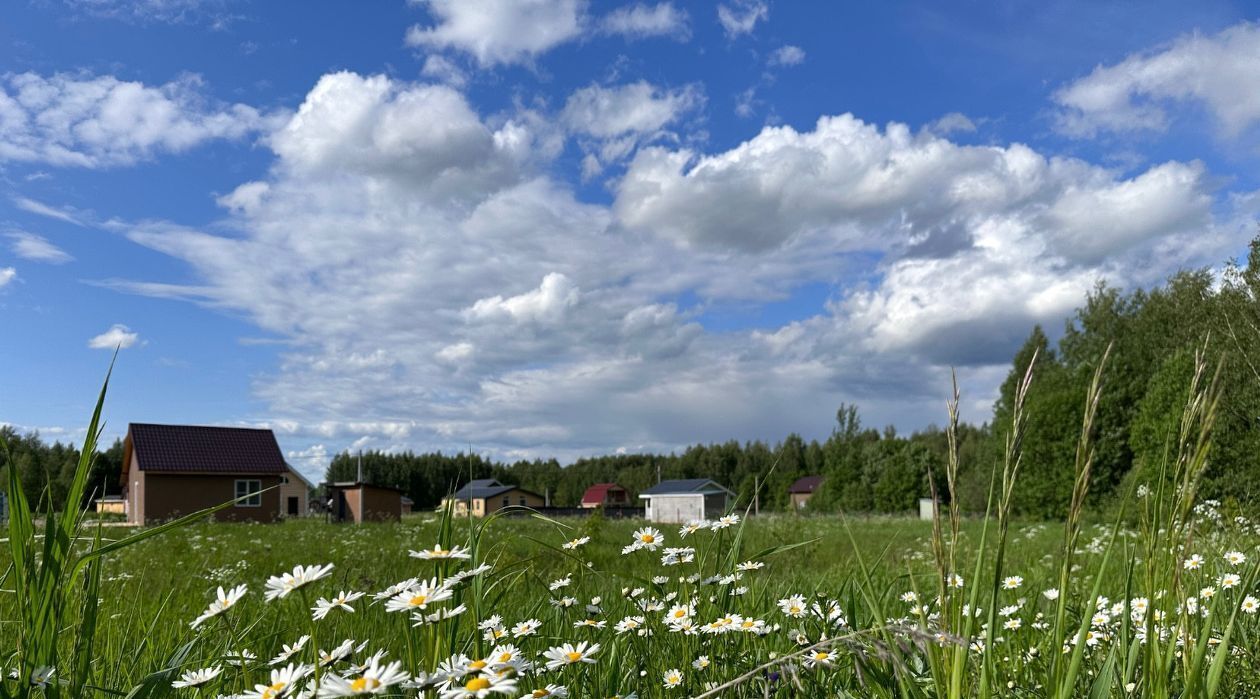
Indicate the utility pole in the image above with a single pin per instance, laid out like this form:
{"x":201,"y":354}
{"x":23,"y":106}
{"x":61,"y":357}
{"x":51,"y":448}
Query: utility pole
{"x":756,"y":495}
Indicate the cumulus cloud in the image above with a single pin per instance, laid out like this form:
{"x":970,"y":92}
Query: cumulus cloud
{"x":7,"y":275}
{"x":741,"y":17}
{"x":33,"y":247}
{"x":638,"y":107}
{"x":118,"y":336}
{"x":418,"y":260}
{"x":787,"y":56}
{"x":1217,"y":73}
{"x":499,"y":31}
{"x":641,"y":21}
{"x":73,"y":120}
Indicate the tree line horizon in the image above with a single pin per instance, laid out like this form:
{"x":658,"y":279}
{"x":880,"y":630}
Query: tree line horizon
{"x":1153,"y":334}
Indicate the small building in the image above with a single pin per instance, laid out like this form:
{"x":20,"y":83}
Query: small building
{"x":110,"y":504}
{"x":295,"y":493}
{"x":354,"y":501}
{"x":408,"y":505}
{"x":175,"y":470}
{"x":681,"y":501}
{"x":803,"y":489}
{"x":605,"y":495}
{"x":484,"y":496}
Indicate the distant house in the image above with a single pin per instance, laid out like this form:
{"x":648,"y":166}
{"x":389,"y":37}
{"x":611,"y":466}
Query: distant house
{"x":110,"y":504}
{"x":684,"y":500}
{"x":358,"y":502}
{"x":408,"y":505}
{"x":487,"y":495}
{"x":605,"y":495}
{"x":803,"y":489}
{"x":295,"y":493}
{"x":174,"y":470}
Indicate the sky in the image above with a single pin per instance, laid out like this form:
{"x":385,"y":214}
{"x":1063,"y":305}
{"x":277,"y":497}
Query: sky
{"x":540,"y":228}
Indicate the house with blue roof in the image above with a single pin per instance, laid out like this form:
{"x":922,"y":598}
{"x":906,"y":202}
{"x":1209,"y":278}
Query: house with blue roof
{"x":680,"y":501}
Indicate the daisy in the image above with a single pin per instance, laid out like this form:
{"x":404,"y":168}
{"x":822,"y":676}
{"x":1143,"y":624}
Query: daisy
{"x":692,"y":527}
{"x":818,"y":658}
{"x":751,"y":565}
{"x":1012,"y":582}
{"x":290,"y":651}
{"x":338,"y":654}
{"x":793,"y":606}
{"x":909,"y":597}
{"x":1193,"y":563}
{"x":1235,"y":558}
{"x":279,"y":586}
{"x":438,"y":553}
{"x":648,"y":538}
{"x":374,"y":679}
{"x":283,"y":682}
{"x":724,"y":522}
{"x":1051,"y":594}
{"x":672,"y":679}
{"x":482,"y":686}
{"x":42,"y":676}
{"x":196,"y":678}
{"x":1250,"y":604}
{"x":568,"y":654}
{"x":551,"y":690}
{"x":222,"y":601}
{"x":526,"y":628}
{"x":419,"y":597}
{"x":571,"y":545}
{"x":1230,"y":580}
{"x":701,"y":662}
{"x":240,"y":658}
{"x":341,"y":601}
{"x":1012,"y":624}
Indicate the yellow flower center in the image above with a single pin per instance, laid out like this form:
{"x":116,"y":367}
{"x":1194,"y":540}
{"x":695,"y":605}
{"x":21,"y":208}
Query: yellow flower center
{"x":364,"y":684}
{"x":503,"y":658}
{"x":477,"y":664}
{"x":794,"y":610}
{"x":680,"y":613}
{"x":477,"y":683}
{"x":574,"y":656}
{"x":647,"y":538}
{"x":540,"y":693}
{"x":419,"y":600}
{"x":821,"y":656}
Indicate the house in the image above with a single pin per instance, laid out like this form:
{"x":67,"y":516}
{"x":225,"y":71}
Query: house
{"x":358,"y":502}
{"x":110,"y":504}
{"x":295,"y":493}
{"x":803,"y":489}
{"x":174,"y":470}
{"x":605,"y":495}
{"x":408,"y":505}
{"x":487,"y":495}
{"x":684,"y":500}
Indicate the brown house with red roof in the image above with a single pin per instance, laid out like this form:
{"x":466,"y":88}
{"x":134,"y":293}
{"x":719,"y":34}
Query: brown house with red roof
{"x":605,"y":495}
{"x":803,"y":489}
{"x":174,"y":470}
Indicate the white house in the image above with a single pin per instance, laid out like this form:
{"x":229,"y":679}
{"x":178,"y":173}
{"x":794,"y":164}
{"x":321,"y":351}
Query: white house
{"x":684,"y":500}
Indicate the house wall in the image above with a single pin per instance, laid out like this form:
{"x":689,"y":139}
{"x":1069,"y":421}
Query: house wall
{"x":295,"y":488}
{"x":675,"y":509}
{"x":714,"y":505}
{"x":379,"y":505}
{"x":515,"y":498}
{"x":165,"y":496}
{"x":799,"y":499}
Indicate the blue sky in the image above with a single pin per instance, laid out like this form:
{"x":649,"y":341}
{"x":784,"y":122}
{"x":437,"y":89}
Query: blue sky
{"x":566,"y":228}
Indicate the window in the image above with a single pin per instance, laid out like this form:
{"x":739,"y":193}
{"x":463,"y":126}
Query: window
{"x":506,"y":500}
{"x":251,"y":488}
{"x":523,"y":501}
{"x":284,"y":480}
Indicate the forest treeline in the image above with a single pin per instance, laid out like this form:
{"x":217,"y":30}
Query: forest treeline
{"x":1154,"y":335}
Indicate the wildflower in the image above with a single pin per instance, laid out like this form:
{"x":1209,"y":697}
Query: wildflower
{"x":196,"y":678}
{"x":1235,"y":558}
{"x":551,"y":690}
{"x":437,"y":553}
{"x":374,"y":679}
{"x":1012,"y":624}
{"x":1051,"y":594}
{"x":526,"y":628}
{"x":750,"y":565}
{"x":562,"y":582}
{"x":341,"y":601}
{"x":629,"y":624}
{"x":279,"y":586}
{"x":793,"y":606}
{"x":673,"y":678}
{"x":1230,"y":580}
{"x":419,"y":597}
{"x":1193,"y":563}
{"x":571,"y":545}
{"x":648,"y":538}
{"x":724,"y":522}
{"x":1012,"y":582}
{"x":482,"y":686}
{"x":240,"y":658}
{"x":42,"y":676}
{"x":569,"y":654}
{"x":283,"y":682}
{"x":692,"y":527}
{"x":222,"y":601}
{"x":701,"y":662}
{"x":818,"y":658}
{"x":290,"y":651}
{"x":954,"y":580}
{"x":1250,"y":604}
{"x":909,"y":597}
{"x":679,"y":613}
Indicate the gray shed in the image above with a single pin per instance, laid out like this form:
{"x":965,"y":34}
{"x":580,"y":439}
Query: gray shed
{"x":684,"y":500}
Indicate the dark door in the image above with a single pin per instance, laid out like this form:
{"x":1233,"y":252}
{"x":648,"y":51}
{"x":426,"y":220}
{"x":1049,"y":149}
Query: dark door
{"x":293,"y":506}
{"x":341,"y":505}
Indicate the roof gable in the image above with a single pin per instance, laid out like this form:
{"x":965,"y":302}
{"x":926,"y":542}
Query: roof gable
{"x":688,"y":486}
{"x":806,"y":484}
{"x":200,"y":449}
{"x":597,"y":492}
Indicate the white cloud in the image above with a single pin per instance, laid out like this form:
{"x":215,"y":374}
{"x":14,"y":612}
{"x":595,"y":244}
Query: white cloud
{"x":42,"y":209}
{"x":499,"y":31}
{"x":439,"y":273}
{"x":118,"y":336}
{"x":75,"y":120}
{"x":640,"y":21}
{"x":638,"y":107}
{"x":33,"y":247}
{"x":1215,"y":72}
{"x":213,"y":12}
{"x":952,"y":123}
{"x":7,"y":275}
{"x":787,"y":56}
{"x":445,"y":70}
{"x":741,"y":17}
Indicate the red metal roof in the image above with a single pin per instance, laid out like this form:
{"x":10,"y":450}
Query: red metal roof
{"x":197,"y":449}
{"x":806,"y":485}
{"x":598,"y":492}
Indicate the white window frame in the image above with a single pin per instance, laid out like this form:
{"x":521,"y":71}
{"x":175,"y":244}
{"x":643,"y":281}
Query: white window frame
{"x":255,"y":500}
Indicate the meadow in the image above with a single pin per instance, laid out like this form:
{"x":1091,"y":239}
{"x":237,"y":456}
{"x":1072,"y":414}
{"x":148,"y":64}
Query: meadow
{"x":1154,"y":599}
